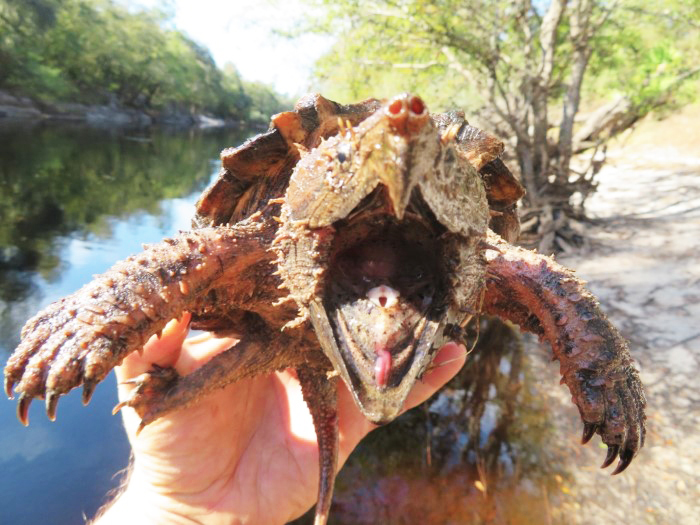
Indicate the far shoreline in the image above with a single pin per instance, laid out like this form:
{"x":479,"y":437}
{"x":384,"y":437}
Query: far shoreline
{"x":19,"y":109}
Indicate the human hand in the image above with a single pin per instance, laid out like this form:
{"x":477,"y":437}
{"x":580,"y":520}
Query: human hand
{"x":246,"y":453}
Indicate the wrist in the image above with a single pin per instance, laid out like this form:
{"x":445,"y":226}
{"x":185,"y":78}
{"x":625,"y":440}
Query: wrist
{"x":142,"y":503}
{"x":139,"y":504}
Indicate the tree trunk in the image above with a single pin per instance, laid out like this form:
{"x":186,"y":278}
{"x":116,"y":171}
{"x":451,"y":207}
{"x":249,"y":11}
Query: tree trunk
{"x":580,"y":20}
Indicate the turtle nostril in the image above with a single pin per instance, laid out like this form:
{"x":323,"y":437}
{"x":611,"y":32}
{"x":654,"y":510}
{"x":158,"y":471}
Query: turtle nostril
{"x":396,"y":107}
{"x":417,"y":106}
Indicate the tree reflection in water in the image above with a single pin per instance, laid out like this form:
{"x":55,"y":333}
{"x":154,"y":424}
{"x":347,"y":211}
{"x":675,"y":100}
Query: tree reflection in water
{"x":60,"y":182}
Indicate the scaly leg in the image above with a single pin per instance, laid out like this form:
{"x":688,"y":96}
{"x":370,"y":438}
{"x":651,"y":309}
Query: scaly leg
{"x":80,"y":338}
{"x":545,"y":298}
{"x":162,"y":390}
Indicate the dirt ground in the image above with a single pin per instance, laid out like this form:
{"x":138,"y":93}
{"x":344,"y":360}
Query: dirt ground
{"x":644,"y":266}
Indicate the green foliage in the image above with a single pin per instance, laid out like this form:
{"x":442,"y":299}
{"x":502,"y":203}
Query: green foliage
{"x":96,"y":51}
{"x":265,"y":101}
{"x":385,"y":48}
{"x":646,"y":52}
{"x":522,"y":69}
{"x":388,"y":46}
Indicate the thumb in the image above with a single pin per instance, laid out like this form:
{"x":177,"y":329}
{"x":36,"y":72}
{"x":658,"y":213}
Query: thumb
{"x":448,"y":361}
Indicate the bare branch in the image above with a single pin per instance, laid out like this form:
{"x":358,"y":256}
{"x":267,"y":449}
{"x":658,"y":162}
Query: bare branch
{"x":606,"y":12}
{"x":580,"y":36}
{"x":456,"y":65}
{"x":611,"y":119}
{"x":400,"y":65}
{"x":548,"y":33}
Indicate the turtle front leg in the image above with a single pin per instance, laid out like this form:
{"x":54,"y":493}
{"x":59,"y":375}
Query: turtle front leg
{"x":80,"y":338}
{"x":162,"y":390}
{"x":543,"y":297}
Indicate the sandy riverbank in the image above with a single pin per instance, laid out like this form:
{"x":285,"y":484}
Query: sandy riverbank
{"x":644,"y":265}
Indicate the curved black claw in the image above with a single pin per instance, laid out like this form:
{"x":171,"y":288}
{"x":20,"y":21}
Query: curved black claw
{"x":626,"y":457}
{"x":51,"y":404}
{"x":588,"y":432}
{"x":88,"y":390}
{"x":612,"y":454}
{"x":148,"y":393}
{"x":23,"y":409}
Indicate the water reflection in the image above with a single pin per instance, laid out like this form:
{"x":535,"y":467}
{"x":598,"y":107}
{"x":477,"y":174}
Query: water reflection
{"x":73,"y":201}
{"x":60,"y":185}
{"x":59,"y":181}
{"x":478,"y":452}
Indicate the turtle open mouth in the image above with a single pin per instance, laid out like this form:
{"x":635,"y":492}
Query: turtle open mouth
{"x":382,"y":307}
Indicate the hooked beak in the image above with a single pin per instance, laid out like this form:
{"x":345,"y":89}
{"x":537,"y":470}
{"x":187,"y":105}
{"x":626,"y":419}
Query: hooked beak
{"x":412,"y":149}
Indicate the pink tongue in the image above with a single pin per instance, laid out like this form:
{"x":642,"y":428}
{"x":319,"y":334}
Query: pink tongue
{"x":382,"y":365}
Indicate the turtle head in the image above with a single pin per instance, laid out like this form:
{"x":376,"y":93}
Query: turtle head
{"x":364,"y":220}
{"x":395,"y":149}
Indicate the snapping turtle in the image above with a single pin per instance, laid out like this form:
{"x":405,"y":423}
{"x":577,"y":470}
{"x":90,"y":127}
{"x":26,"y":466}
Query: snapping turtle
{"x":345,"y":242}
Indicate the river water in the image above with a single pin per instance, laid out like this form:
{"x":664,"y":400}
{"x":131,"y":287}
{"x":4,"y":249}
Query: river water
{"x":73,"y":201}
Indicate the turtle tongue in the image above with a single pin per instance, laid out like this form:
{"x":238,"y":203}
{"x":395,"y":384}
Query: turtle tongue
{"x":377,"y":325}
{"x":384,"y":298}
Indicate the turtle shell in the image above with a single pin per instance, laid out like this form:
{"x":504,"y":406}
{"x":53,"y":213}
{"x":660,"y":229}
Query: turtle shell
{"x":484,"y":152}
{"x":258,"y":171}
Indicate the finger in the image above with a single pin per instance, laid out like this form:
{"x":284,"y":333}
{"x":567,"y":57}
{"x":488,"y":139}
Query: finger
{"x":163,"y":351}
{"x":448,"y":361}
{"x":199,"y":350}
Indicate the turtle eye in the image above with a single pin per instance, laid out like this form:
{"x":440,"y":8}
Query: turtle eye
{"x":343,"y":152}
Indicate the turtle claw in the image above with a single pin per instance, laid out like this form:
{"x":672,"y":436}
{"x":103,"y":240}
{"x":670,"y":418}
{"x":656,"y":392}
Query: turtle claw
{"x":147,"y":391}
{"x":51,"y":404}
{"x":612,"y":454}
{"x":9,"y":385}
{"x":119,"y":406}
{"x":23,"y":409}
{"x":88,"y":389}
{"x":588,"y":432}
{"x":626,"y":457}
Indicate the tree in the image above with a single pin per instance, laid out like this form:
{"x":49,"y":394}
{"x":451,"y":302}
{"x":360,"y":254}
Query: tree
{"x":522,"y":68}
{"x":98,"y":52}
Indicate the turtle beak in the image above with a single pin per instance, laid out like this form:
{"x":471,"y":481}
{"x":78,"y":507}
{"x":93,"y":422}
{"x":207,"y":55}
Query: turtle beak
{"x":415,"y":147}
{"x":379,"y":377}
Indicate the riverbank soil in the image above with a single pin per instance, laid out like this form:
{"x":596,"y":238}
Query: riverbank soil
{"x":643,"y":263}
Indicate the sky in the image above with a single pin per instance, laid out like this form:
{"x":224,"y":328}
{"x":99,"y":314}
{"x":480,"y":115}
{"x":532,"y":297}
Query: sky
{"x":242,"y":32}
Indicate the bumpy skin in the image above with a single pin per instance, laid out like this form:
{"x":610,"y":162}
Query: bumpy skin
{"x":543,"y":297}
{"x":79,"y":339}
{"x":342,"y":243}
